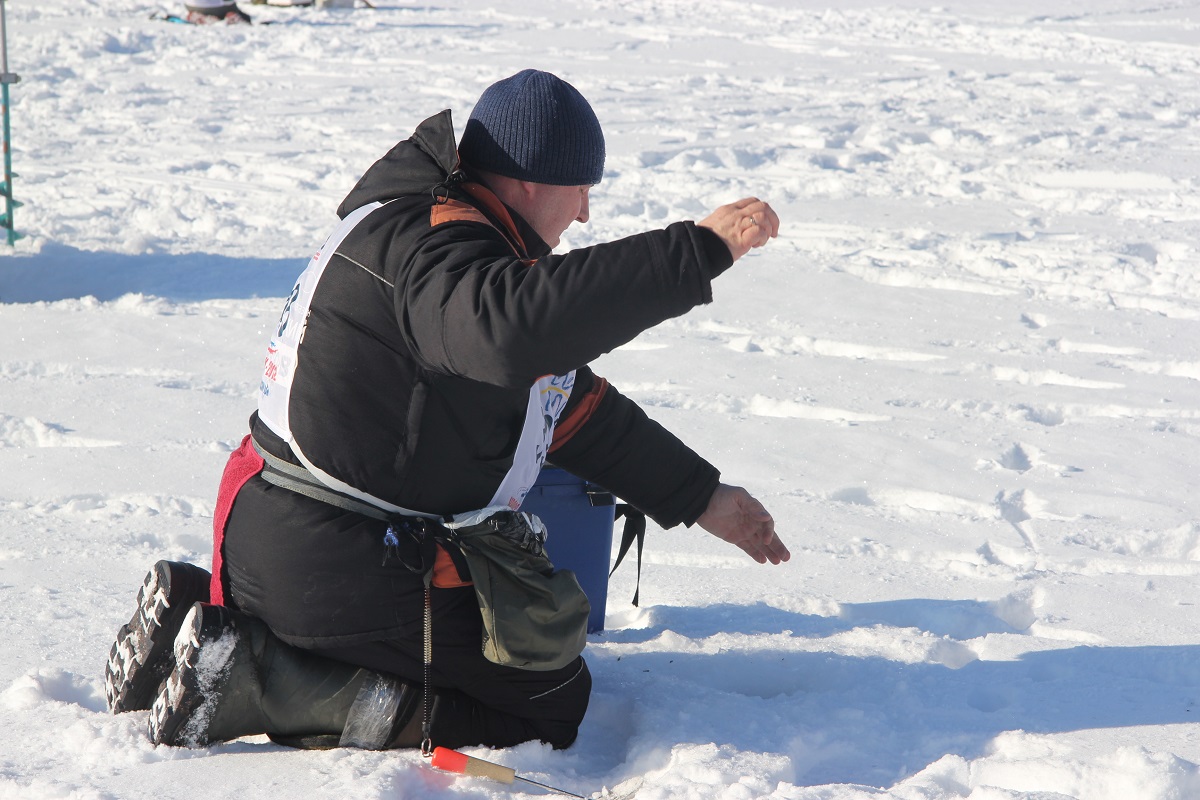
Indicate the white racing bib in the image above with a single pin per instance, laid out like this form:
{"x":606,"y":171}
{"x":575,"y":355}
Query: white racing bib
{"x":547,"y":398}
{"x":279,"y":367}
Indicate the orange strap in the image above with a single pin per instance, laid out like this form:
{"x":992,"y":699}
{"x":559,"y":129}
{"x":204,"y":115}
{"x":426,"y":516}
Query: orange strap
{"x":458,"y":211}
{"x":569,"y":425}
{"x":445,"y":572}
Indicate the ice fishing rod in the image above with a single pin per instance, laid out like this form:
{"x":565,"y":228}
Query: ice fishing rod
{"x":453,"y":761}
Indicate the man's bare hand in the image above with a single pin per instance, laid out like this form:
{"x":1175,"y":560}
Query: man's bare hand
{"x":735,"y":516}
{"x":743,"y":225}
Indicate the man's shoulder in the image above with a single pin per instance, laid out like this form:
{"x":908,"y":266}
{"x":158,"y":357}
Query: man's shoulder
{"x":392,"y":238}
{"x":455,"y":210}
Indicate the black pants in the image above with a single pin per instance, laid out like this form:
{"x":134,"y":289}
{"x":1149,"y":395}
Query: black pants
{"x":320,"y":578}
{"x":479,"y":702}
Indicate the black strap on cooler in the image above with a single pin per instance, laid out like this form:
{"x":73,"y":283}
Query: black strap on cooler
{"x":634,"y":529}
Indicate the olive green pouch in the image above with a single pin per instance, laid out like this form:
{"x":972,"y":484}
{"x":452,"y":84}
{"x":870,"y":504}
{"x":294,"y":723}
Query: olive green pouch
{"x":534,"y":617}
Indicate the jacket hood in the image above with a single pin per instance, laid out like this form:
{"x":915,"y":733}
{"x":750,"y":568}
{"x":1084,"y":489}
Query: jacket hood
{"x":419,"y":164}
{"x":414,"y":166}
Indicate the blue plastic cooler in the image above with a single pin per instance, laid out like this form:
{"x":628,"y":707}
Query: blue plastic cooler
{"x":579,"y":520}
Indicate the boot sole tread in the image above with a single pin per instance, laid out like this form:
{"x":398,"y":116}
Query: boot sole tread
{"x":141,"y":656}
{"x":182,"y":695}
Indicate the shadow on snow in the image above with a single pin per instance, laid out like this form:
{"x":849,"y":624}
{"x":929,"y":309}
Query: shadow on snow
{"x":60,"y":272}
{"x":844,"y":718}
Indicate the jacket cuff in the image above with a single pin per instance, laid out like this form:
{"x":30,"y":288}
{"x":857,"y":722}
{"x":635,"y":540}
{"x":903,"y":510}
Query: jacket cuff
{"x":698,"y":503}
{"x":716,"y":256}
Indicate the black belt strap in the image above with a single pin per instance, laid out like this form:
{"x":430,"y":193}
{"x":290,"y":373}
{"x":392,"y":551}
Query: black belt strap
{"x":289,"y":476}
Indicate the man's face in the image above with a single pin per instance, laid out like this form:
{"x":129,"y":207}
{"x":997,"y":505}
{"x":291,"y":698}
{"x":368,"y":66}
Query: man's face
{"x":550,"y":210}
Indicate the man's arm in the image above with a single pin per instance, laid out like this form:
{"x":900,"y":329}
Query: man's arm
{"x":603,"y":436}
{"x":469,"y":307}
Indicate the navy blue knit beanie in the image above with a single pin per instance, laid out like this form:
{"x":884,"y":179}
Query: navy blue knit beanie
{"x":535,"y":127}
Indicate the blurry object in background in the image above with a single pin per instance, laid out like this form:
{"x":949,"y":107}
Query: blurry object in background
{"x":6,"y":77}
{"x":211,"y":12}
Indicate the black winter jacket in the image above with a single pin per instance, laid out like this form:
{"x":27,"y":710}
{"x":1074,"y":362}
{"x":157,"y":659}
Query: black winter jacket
{"x":442,"y":307}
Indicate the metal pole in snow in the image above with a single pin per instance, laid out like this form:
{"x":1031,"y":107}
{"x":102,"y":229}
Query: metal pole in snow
{"x":6,"y":78}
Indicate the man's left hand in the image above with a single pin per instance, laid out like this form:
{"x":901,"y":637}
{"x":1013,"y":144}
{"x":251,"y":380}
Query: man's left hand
{"x":743,"y":225}
{"x":735,"y":516}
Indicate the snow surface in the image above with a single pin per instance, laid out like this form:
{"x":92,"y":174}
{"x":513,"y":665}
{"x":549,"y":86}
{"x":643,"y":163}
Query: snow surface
{"x":966,"y":378}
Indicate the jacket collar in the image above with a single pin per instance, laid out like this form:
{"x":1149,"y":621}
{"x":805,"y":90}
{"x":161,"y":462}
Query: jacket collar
{"x":414,"y":166}
{"x":429,"y":159}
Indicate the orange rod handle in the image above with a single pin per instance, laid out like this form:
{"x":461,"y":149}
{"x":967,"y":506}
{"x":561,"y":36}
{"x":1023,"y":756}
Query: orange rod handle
{"x":454,"y":761}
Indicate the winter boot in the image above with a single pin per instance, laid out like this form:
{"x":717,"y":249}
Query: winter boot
{"x":235,"y":678}
{"x":142,"y":656}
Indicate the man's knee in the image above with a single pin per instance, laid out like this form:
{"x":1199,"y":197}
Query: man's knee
{"x":547,"y":707}
{"x":558,"y":735}
{"x":562,"y":708}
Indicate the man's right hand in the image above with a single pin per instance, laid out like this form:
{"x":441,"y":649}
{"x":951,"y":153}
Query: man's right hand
{"x":734,"y":515}
{"x":743,"y":225}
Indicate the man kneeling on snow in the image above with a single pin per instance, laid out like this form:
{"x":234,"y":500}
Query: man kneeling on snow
{"x":428,"y":361}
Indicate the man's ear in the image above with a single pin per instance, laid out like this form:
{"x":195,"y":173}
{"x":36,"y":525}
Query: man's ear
{"x":529,"y":189}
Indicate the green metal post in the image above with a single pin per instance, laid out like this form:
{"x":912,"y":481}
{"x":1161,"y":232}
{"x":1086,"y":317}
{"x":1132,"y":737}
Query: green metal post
{"x":6,"y":78}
